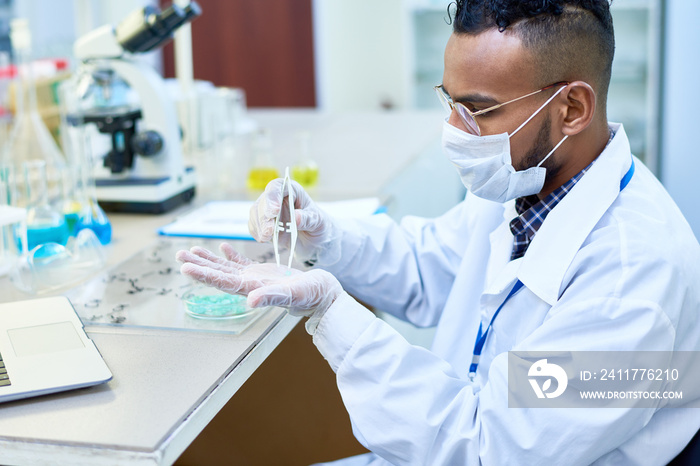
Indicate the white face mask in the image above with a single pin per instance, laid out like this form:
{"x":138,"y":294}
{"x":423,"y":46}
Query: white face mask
{"x":485,"y":165}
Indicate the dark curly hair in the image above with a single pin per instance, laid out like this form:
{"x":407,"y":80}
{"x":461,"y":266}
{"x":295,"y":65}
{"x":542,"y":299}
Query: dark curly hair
{"x":569,"y":39}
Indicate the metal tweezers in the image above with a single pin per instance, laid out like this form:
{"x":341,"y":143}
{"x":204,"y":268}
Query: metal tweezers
{"x":291,"y":226}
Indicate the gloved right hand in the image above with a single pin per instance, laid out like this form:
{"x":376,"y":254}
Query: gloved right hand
{"x":318,"y":239}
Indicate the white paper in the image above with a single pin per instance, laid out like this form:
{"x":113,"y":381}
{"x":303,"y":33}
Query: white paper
{"x":229,"y":219}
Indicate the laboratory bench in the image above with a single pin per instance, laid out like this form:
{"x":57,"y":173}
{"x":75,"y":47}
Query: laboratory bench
{"x":169,"y":384}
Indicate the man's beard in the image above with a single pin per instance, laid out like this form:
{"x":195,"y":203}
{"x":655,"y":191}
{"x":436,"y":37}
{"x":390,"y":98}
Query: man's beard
{"x":540,"y":148}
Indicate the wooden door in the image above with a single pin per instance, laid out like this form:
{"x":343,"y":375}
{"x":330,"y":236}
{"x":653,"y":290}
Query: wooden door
{"x":262,"y":46}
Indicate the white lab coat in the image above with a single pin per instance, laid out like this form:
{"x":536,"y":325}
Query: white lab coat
{"x":608,"y":270}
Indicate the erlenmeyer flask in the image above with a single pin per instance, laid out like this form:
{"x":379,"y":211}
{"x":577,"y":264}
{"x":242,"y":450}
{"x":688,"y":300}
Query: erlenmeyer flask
{"x":29,"y":139}
{"x":91,"y":215}
{"x":45,"y":224}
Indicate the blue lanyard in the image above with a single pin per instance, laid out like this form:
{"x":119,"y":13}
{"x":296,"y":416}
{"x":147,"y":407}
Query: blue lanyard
{"x":628,"y":176}
{"x":481,"y":336}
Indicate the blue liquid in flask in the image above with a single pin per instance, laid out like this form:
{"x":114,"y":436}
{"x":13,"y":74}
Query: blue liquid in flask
{"x":93,"y":217}
{"x":103,"y":231}
{"x":39,"y":234}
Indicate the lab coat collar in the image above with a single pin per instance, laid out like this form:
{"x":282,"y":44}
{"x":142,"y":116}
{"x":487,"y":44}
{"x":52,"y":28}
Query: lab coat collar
{"x":568,"y":225}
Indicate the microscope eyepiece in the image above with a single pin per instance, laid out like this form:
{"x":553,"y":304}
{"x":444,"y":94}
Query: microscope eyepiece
{"x":192,"y":10}
{"x":148,"y":28}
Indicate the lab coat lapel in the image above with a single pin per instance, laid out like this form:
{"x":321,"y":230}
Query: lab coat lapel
{"x":501,"y":272}
{"x":567,"y":226}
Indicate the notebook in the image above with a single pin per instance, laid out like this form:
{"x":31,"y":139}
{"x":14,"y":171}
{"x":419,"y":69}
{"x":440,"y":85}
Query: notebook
{"x":44,"y":349}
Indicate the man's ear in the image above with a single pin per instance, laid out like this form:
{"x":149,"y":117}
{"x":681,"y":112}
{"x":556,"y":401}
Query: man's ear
{"x":578,"y":104}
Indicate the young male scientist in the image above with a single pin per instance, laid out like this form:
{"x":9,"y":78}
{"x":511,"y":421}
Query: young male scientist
{"x":564,"y":236}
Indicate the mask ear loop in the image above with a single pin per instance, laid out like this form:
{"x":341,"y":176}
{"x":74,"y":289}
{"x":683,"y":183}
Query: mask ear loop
{"x":538,"y":111}
{"x":552,"y":151}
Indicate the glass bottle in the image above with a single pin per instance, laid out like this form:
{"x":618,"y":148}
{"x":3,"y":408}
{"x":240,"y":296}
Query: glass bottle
{"x":263,"y":169}
{"x":305,"y":171}
{"x":45,"y":224}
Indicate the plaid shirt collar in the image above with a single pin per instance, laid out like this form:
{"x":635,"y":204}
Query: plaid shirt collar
{"x":532,"y":211}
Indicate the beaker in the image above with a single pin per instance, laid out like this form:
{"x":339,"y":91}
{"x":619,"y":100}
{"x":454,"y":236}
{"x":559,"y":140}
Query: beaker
{"x":45,"y":224}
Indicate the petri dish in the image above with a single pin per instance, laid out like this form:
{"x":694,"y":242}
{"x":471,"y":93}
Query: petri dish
{"x":204,"y":302}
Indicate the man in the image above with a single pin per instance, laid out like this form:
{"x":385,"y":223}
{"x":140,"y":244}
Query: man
{"x":563,"y":242}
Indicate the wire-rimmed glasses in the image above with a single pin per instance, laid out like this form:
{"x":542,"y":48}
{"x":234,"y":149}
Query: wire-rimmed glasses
{"x":467,"y":116}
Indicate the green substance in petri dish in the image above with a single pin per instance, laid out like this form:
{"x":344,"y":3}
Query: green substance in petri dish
{"x":221,"y":305}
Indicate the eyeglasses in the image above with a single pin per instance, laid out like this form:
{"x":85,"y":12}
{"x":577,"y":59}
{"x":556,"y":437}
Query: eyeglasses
{"x":467,"y":116}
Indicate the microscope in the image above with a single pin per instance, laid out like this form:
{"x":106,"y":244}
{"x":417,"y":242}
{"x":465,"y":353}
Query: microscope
{"x":118,"y":108}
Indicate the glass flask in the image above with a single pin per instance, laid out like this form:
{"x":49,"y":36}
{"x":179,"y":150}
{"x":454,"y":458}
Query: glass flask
{"x":29,"y":139}
{"x":52,"y":266}
{"x":263,"y":168}
{"x":91,"y":216}
{"x":89,"y":94}
{"x":45,"y":224}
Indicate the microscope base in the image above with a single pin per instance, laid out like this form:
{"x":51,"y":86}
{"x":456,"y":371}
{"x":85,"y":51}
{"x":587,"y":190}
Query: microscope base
{"x":160,"y":207}
{"x":145,"y":195}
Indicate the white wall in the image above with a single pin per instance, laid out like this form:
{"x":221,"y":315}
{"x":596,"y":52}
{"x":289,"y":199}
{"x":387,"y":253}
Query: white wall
{"x":360,"y":54}
{"x":51,"y":23}
{"x":55,"y":24}
{"x":680,"y":152}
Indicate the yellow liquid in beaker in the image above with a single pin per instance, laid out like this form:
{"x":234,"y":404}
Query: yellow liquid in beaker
{"x":307,"y":176}
{"x":258,"y":177}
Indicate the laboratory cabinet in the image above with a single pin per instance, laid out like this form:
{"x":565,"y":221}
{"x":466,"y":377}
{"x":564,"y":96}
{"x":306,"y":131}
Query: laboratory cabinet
{"x":634,"y":97}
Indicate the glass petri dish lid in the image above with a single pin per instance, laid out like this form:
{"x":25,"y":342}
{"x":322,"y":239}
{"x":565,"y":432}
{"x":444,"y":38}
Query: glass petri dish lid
{"x":204,"y":302}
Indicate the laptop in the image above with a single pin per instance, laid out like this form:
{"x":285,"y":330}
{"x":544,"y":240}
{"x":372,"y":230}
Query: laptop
{"x":44,"y":349}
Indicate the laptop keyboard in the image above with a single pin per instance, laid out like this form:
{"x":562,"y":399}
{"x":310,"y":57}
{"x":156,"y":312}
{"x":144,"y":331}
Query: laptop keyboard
{"x":4,"y":378}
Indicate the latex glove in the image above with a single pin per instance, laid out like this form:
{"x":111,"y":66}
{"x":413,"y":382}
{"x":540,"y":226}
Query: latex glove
{"x":318,"y":239}
{"x":266,"y":284}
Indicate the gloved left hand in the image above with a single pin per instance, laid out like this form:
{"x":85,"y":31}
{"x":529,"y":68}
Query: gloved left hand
{"x":301,"y":293}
